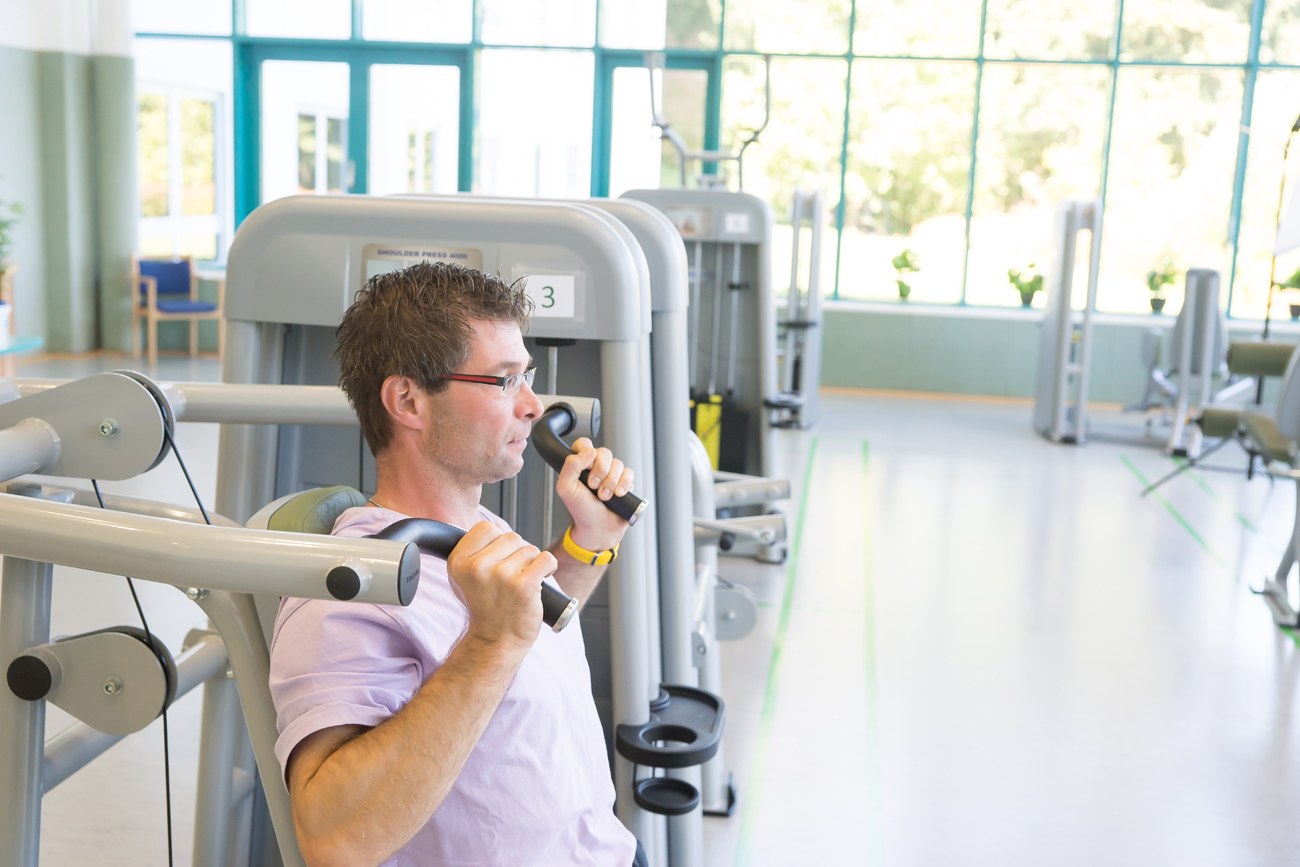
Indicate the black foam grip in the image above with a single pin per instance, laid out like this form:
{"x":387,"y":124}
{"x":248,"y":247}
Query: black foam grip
{"x":438,"y":538}
{"x":548,"y":431}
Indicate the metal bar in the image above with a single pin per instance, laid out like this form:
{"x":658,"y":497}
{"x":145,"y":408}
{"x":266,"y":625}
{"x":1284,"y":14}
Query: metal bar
{"x":184,"y":555}
{"x":25,"y":593}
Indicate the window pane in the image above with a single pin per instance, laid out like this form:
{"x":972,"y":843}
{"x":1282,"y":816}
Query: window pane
{"x":535,"y":123}
{"x":152,"y":154}
{"x":201,"y":245}
{"x":1065,"y":31}
{"x":198,"y":157}
{"x":780,"y":26}
{"x":1280,"y":40}
{"x":298,"y":100}
{"x":908,"y":176}
{"x":335,"y":153}
{"x":301,"y":19}
{"x":557,"y":22}
{"x":946,"y":28}
{"x":414,"y":129}
{"x":417,"y":20}
{"x":800,"y":149}
{"x":638,"y":157}
{"x":1040,"y":143}
{"x":1272,"y":117}
{"x":656,"y":24}
{"x":1187,"y":31}
{"x":181,"y":16}
{"x":1169,"y":192}
{"x":306,"y":153}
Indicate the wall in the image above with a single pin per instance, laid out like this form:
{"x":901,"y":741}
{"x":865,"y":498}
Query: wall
{"x":67,"y":156}
{"x":982,"y":352}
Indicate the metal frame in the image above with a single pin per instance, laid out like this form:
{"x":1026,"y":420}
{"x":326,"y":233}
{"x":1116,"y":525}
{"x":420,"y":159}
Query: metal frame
{"x":218,"y":566}
{"x":499,"y":230}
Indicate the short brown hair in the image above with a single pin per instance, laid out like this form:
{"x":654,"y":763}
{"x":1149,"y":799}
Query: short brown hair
{"x":416,"y":322}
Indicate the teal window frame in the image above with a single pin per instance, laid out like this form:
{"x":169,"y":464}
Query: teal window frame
{"x":249,"y":52}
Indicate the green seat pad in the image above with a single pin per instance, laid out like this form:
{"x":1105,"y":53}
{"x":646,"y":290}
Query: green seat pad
{"x":315,"y":511}
{"x":1263,"y":432}
{"x":1218,"y":422}
{"x":1259,"y":359}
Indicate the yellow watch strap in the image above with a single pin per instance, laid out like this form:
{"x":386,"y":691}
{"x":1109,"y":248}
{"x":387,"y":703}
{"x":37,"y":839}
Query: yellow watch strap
{"x":582,"y":555}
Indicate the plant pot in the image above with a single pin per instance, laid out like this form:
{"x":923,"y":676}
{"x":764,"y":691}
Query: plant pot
{"x":1026,"y":299}
{"x":1295,"y":311}
{"x":1157,"y":305}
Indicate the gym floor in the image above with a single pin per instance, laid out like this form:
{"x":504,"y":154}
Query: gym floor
{"x":984,"y":649}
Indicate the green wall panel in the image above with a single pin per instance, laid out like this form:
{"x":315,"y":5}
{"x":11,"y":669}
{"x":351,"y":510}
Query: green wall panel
{"x":114,"y":119}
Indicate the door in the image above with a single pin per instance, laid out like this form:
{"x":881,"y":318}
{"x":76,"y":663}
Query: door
{"x":342,"y":119}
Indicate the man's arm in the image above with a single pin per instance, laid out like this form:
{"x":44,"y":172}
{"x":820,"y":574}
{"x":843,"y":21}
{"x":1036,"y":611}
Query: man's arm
{"x":358,"y":794}
{"x":595,"y":527}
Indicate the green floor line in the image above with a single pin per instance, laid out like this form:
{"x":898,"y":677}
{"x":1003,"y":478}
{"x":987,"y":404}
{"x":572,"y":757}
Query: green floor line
{"x":1178,"y":516}
{"x":752,"y":798}
{"x":1292,"y":634}
{"x":875,"y":772}
{"x":1205,"y":486}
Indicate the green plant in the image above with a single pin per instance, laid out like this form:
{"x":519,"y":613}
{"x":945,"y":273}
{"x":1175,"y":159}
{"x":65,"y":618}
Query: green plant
{"x":1292,"y":282}
{"x":1026,"y":285}
{"x":905,"y":263}
{"x":9,"y":214}
{"x":1157,"y":280}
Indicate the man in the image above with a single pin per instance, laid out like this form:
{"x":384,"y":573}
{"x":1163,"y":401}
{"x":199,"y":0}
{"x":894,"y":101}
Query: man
{"x":458,"y":730}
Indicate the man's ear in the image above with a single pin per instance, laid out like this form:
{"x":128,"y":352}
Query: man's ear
{"x":404,"y":400}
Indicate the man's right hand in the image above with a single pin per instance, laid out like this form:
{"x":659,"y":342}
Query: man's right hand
{"x":498,"y":575}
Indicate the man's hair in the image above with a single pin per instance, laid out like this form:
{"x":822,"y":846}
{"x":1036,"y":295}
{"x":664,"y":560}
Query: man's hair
{"x":416,"y":322}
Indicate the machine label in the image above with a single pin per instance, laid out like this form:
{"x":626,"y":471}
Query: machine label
{"x":382,"y":258}
{"x":690,"y":222}
{"x":736,"y":223}
{"x":554,"y":295}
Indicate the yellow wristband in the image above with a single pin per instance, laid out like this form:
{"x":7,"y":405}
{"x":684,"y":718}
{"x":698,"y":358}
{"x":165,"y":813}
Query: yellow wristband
{"x":582,"y":555}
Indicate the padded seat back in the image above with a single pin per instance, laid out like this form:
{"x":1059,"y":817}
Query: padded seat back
{"x":173,"y":276}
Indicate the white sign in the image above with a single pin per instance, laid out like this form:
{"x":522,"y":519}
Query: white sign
{"x":554,"y":295}
{"x":736,"y":223}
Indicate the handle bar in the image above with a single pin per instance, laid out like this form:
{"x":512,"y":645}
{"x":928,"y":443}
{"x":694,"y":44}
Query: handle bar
{"x":437,"y":538}
{"x":553,"y":424}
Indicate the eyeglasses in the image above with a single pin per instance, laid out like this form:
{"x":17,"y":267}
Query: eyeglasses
{"x":509,"y":384}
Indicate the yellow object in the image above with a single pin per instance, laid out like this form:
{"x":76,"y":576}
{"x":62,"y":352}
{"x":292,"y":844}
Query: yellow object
{"x":708,"y":425}
{"x":582,"y":555}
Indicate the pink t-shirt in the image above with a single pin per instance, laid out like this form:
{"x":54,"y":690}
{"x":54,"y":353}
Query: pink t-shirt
{"x":536,"y":789}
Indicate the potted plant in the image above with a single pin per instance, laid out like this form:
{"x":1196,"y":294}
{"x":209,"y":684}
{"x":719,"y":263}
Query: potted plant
{"x":9,"y":214}
{"x":1292,"y":283}
{"x":1026,"y":285}
{"x":1157,"y":281}
{"x":904,"y":264}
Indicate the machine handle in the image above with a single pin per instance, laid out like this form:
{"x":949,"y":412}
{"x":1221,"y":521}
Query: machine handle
{"x":437,"y":539}
{"x":558,"y":420}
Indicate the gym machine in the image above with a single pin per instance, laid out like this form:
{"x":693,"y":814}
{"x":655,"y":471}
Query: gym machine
{"x":293,"y":270}
{"x":115,"y":681}
{"x":800,"y":346}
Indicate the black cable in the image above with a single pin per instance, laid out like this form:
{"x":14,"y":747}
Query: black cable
{"x":153,"y":648}
{"x":202,"y":511}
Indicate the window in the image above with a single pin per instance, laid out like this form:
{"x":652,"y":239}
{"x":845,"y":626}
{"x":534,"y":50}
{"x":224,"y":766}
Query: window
{"x":178,"y":174}
{"x":183,"y":147}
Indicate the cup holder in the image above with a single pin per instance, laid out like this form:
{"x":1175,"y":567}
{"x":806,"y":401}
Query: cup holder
{"x":666,"y":796}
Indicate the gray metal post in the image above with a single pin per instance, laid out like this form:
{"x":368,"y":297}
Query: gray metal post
{"x":24,"y":622}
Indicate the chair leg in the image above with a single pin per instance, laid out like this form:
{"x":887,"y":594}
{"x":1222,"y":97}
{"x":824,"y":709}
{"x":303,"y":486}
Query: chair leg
{"x":153,"y":342}
{"x":194,"y":337}
{"x":135,"y":333}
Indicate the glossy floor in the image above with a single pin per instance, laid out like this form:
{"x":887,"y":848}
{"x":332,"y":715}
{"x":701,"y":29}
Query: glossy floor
{"x":984,"y":650}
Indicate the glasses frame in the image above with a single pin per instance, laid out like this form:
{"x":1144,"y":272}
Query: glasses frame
{"x":510,"y":384}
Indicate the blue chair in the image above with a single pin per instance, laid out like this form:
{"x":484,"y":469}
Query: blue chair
{"x":168,"y":290}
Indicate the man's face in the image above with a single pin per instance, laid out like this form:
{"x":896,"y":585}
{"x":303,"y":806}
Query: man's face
{"x":476,"y":432}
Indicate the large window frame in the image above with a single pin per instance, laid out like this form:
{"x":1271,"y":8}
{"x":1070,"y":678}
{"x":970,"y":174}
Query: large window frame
{"x":1118,"y":60}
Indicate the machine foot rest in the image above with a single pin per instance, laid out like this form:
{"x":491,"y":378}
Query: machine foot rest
{"x":684,"y":730}
{"x":1275,"y":597}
